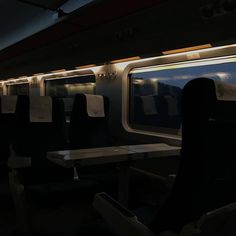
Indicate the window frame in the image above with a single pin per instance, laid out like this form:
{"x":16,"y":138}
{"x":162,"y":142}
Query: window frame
{"x":167,"y":60}
{"x":78,"y":74}
{"x":14,"y":84}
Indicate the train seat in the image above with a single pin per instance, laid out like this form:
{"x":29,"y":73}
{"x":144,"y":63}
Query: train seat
{"x":40,"y":127}
{"x":34,"y":180}
{"x":7,"y":115}
{"x":123,"y":222}
{"x":89,"y":128}
{"x":89,"y":123}
{"x":207,"y":167}
{"x":206,"y":177}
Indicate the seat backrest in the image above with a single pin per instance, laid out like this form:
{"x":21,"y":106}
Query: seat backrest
{"x":206,"y":178}
{"x":39,"y":136}
{"x":38,"y":132}
{"x":7,"y":119}
{"x":219,"y":222}
{"x":89,"y":130}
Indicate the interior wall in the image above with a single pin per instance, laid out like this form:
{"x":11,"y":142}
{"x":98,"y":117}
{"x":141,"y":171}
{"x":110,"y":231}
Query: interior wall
{"x":172,"y":24}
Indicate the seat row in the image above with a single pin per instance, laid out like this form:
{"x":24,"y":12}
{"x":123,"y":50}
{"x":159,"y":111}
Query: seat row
{"x":44,"y":117}
{"x":32,"y":126}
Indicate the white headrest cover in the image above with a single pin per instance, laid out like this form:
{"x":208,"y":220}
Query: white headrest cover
{"x":8,"y":104}
{"x":95,"y":105}
{"x":149,"y":106}
{"x":40,"y":109}
{"x":225,"y":91}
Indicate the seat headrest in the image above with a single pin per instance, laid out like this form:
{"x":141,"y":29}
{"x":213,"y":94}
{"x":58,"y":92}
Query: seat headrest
{"x":225,"y":91}
{"x":95,"y":105}
{"x":149,"y":105}
{"x":40,"y":109}
{"x":8,"y":104}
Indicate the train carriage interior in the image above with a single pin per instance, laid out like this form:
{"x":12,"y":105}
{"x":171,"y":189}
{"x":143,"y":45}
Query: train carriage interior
{"x":117,"y":118}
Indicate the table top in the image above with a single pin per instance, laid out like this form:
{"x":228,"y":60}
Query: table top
{"x":114,"y":154}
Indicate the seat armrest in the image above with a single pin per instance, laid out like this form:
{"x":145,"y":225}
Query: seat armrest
{"x":210,"y":221}
{"x":122,"y":221}
{"x":224,"y":210}
{"x":19,"y":162}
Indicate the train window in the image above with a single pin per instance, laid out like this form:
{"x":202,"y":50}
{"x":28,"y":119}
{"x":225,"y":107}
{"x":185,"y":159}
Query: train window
{"x":66,"y":88}
{"x":155,"y":92}
{"x":18,"y":89}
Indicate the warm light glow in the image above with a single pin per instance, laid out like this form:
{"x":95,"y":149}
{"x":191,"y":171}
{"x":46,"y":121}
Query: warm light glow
{"x":38,"y":74}
{"x":14,"y":83}
{"x":57,"y":71}
{"x":126,"y":59}
{"x":67,"y":73}
{"x":203,"y":62}
{"x":122,"y":65}
{"x":86,"y":66}
{"x":58,"y":74}
{"x":188,"y":49}
{"x":68,"y":77}
{"x":193,"y":55}
{"x":22,"y":77}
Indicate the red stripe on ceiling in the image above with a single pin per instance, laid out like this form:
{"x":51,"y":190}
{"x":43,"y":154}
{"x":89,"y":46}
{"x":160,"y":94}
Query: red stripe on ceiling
{"x":82,"y":20}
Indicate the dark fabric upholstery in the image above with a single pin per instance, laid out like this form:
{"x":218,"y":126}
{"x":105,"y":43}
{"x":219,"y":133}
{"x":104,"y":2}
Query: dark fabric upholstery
{"x":35,"y":139}
{"x":7,"y":122}
{"x":207,"y":175}
{"x":85,"y":131}
{"x":6,"y":127}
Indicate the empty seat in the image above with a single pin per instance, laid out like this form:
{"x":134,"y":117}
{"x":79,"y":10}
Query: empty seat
{"x":40,"y":127}
{"x":7,"y":116}
{"x":206,"y":177}
{"x":218,"y":222}
{"x":89,"y":122}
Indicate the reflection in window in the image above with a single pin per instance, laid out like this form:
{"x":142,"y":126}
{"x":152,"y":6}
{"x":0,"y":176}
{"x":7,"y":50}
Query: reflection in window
{"x":66,"y":88}
{"x":18,"y":89}
{"x":155,"y":92}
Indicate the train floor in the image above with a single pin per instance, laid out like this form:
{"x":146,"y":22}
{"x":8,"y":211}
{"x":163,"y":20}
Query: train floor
{"x":56,"y":218}
{"x":72,"y":215}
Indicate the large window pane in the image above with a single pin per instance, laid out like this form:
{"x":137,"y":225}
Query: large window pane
{"x":155,"y":92}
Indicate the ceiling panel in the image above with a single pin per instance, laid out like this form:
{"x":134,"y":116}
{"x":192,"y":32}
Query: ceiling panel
{"x":80,"y":20}
{"x":52,"y":4}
